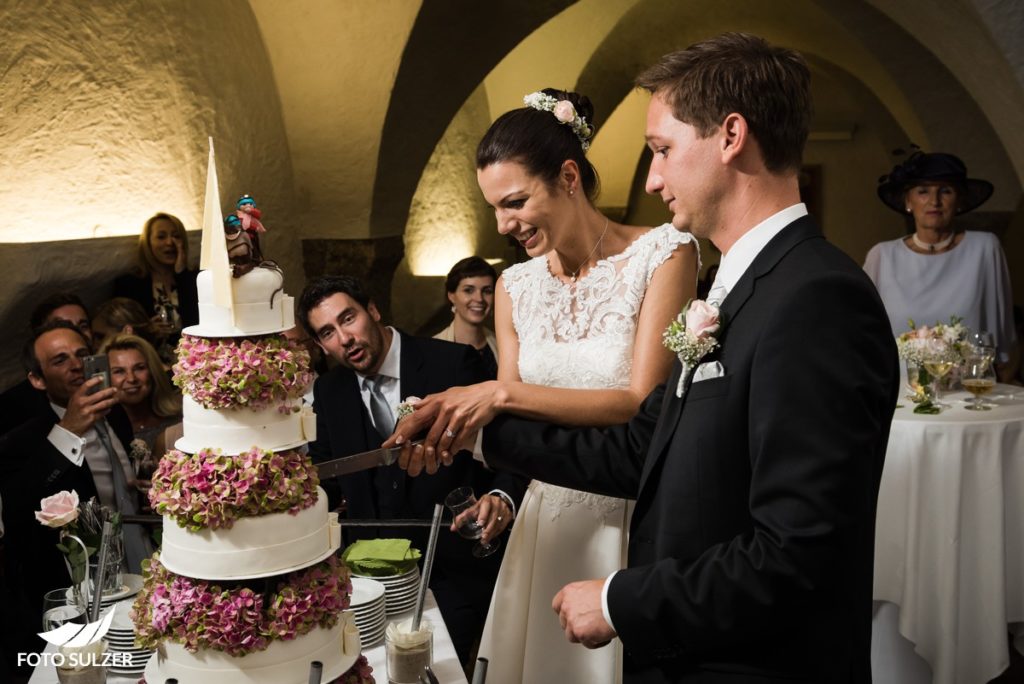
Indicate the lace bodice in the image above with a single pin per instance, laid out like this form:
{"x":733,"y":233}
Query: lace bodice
{"x":581,"y":335}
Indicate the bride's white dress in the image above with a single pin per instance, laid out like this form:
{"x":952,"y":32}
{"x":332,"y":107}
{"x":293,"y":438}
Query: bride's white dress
{"x":581,"y":337}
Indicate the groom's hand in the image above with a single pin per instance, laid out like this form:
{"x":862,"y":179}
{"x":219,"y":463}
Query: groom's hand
{"x":579,"y":612}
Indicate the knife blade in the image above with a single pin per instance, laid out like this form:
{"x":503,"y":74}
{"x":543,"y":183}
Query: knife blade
{"x":358,"y":462}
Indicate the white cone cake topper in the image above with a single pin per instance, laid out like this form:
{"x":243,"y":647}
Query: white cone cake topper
{"x":214,"y":253}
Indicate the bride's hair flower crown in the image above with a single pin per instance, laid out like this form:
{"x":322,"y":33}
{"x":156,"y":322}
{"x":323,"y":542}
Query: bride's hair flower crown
{"x":564,"y":112}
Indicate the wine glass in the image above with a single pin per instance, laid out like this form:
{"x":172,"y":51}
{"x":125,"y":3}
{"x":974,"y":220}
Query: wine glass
{"x":938,"y":368}
{"x":459,"y":500}
{"x":983,"y":343}
{"x":60,"y":606}
{"x":978,"y":378}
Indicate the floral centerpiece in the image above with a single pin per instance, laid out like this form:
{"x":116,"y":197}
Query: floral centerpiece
{"x":81,"y":530}
{"x":209,"y":489}
{"x":237,"y":618}
{"x":254,"y":374}
{"x":930,"y":353}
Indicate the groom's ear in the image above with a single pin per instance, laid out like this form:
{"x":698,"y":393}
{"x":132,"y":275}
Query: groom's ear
{"x":735,"y":136}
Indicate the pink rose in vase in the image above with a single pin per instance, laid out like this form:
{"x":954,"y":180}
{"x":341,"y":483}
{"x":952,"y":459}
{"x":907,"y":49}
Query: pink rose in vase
{"x":701,"y":319}
{"x":58,"y":510}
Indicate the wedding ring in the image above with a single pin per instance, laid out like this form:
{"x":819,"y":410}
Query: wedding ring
{"x":500,"y":518}
{"x":448,"y":433}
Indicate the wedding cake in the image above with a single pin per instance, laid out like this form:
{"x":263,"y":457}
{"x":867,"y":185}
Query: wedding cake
{"x":247,"y":587}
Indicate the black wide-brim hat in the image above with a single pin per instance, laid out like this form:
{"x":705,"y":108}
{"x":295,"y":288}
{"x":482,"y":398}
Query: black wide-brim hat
{"x":932,"y":166}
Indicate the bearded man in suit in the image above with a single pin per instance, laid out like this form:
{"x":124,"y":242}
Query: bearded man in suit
{"x":355,"y":406}
{"x":755,"y":469}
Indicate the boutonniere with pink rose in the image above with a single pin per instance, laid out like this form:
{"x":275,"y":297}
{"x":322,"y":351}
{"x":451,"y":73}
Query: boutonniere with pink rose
{"x":692,"y":336}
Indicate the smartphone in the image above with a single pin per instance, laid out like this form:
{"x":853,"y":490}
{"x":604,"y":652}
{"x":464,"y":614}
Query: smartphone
{"x":96,"y":365}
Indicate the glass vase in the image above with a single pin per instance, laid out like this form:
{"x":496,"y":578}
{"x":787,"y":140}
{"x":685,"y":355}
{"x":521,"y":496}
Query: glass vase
{"x":920,"y":383}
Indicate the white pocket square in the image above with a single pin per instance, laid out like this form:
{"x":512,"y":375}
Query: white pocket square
{"x":709,"y":370}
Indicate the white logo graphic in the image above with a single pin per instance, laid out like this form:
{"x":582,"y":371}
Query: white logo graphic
{"x":77,"y":636}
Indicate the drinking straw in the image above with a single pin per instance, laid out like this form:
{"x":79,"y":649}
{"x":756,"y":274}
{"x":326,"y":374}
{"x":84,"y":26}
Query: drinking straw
{"x":101,"y":572}
{"x":480,"y":671}
{"x":316,"y":672}
{"x":428,"y":565}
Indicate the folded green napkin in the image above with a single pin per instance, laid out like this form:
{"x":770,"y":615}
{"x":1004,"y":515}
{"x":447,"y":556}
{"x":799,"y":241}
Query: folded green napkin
{"x":380,"y":557}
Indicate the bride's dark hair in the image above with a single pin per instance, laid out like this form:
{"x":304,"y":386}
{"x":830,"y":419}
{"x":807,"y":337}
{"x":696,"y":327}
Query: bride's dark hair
{"x":540,"y":142}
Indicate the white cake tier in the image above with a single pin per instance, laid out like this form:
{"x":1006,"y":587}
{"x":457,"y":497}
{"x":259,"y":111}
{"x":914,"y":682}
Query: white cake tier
{"x":260,"y":306}
{"x":253,"y":547}
{"x":284,"y":662}
{"x":235,"y":431}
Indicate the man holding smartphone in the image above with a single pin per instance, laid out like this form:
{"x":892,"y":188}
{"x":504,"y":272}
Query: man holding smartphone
{"x":73,"y":443}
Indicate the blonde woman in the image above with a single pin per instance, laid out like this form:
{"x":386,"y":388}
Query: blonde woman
{"x":143,"y":389}
{"x":162,"y":282}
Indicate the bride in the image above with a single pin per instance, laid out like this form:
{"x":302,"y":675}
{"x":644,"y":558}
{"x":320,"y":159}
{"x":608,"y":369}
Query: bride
{"x":580,"y":343}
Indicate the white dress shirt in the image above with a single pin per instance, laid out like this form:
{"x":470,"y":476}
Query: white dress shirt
{"x":89,"y":448}
{"x":731,"y":268}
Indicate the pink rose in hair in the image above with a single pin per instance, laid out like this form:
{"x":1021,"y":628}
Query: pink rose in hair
{"x":564,"y":111}
{"x":701,"y":319}
{"x":59,"y":509}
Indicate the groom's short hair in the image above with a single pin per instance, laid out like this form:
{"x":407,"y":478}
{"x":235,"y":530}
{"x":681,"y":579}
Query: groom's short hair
{"x":744,"y":74}
{"x":319,"y":289}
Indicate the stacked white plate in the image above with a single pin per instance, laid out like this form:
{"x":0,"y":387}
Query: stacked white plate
{"x":367,"y":602}
{"x":400,"y":591}
{"x":128,"y":660}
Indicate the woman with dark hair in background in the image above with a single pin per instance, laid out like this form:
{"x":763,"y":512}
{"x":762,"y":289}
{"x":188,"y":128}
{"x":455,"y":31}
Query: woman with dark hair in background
{"x":470,"y":288}
{"x":162,"y":281}
{"x":579,"y":343}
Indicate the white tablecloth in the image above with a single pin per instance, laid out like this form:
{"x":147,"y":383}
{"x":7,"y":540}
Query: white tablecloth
{"x":949,"y":545}
{"x":446,"y":662}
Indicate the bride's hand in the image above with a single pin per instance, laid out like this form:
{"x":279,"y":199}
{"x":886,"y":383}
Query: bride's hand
{"x":453,"y":416}
{"x":461,"y":412}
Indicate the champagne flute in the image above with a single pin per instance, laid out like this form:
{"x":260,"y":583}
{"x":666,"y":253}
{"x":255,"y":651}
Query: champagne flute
{"x":459,"y":500}
{"x":979,"y":378}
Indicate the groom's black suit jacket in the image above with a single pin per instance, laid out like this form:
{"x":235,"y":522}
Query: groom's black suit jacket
{"x":752,"y":541}
{"x":344,"y":428}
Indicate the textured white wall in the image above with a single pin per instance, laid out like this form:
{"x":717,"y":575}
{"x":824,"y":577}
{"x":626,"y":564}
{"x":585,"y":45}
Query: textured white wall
{"x":106,"y":110}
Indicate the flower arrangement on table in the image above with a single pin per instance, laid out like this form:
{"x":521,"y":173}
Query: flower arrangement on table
{"x":209,"y":489}
{"x":930,"y":353}
{"x":251,"y":373}
{"x":81,"y":530}
{"x":692,"y":336}
{"x":238,"y":618}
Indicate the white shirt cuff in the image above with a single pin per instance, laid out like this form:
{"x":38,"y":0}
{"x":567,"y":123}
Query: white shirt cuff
{"x":478,"y":447}
{"x":508,"y":500}
{"x":68,"y":443}
{"x":604,"y":601}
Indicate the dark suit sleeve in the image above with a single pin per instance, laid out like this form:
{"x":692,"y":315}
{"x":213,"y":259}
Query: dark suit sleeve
{"x":604,"y":461}
{"x":821,"y":396}
{"x":320,"y":448}
{"x":188,"y":297}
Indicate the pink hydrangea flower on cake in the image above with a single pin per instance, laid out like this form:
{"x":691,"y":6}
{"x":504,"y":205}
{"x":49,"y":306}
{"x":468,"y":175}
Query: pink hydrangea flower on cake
{"x":251,"y":373}
{"x":209,"y":489}
{"x":692,"y":336}
{"x":237,"y":620}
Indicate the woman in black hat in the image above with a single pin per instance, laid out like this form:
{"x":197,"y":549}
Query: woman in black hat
{"x":937,"y":271}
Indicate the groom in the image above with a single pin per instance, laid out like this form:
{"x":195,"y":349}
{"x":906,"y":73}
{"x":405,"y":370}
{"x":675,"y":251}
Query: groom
{"x":751,"y":545}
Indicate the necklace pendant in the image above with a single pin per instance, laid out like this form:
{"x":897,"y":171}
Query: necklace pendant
{"x":572,"y":278}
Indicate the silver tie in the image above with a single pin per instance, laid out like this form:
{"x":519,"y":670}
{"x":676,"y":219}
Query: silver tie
{"x":380,"y":412}
{"x":717,"y":294}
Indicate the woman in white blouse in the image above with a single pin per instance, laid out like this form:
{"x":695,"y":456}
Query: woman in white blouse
{"x":937,"y":271}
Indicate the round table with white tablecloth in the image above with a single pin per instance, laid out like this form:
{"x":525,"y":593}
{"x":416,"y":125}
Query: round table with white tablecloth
{"x":949,"y":541}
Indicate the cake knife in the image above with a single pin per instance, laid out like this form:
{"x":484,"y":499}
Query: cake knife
{"x":358,"y":462}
